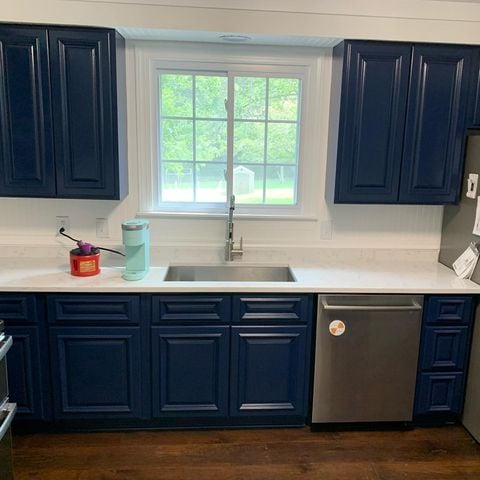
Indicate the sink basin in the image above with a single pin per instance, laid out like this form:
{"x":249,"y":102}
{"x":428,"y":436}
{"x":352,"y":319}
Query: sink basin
{"x":228,"y":273}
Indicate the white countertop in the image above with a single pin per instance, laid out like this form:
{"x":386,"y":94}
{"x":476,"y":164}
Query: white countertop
{"x":354,"y":276}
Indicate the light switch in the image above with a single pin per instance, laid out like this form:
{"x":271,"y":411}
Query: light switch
{"x":472,"y":183}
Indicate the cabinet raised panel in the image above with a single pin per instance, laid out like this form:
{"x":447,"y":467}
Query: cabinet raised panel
{"x":444,"y":348}
{"x":439,"y":393}
{"x":268,"y":366}
{"x":190,"y":370}
{"x":375,"y":82}
{"x":26,"y":137}
{"x":81,"y":75}
{"x":435,"y":125}
{"x":26,"y":379}
{"x":96,"y":372}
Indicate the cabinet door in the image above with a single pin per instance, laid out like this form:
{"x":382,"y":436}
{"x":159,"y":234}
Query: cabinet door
{"x":83,"y":80}
{"x":435,"y":127}
{"x":439,"y":394}
{"x":190,"y":368}
{"x":26,"y":138}
{"x":474,"y":114}
{"x":96,"y":372}
{"x":445,"y":348}
{"x":27,"y":379}
{"x":268,"y":369}
{"x":372,"y":119}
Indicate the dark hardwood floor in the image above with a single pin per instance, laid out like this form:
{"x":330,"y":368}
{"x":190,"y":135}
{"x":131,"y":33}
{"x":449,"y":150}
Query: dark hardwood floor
{"x":419,"y":454}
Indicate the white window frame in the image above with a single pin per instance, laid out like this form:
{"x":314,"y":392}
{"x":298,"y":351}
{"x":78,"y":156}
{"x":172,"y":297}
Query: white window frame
{"x":150,"y":57}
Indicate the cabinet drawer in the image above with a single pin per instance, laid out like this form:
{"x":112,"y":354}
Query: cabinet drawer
{"x":445,"y":348}
{"x":18,"y":309}
{"x":439,"y":393}
{"x":107,"y":309}
{"x":263,"y":308}
{"x":449,"y":310}
{"x":183,"y":308}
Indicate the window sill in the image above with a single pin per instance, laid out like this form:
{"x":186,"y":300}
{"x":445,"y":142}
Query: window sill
{"x":237,"y":216}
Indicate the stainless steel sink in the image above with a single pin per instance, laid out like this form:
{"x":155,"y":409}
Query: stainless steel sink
{"x":228,"y":273}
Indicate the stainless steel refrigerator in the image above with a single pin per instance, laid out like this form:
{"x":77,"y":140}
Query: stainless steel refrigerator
{"x":458,"y":223}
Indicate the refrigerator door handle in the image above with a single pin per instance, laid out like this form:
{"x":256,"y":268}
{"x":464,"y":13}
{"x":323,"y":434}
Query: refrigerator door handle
{"x":9,"y":409}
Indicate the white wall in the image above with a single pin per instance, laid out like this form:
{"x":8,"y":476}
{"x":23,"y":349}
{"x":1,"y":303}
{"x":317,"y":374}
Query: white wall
{"x":31,"y":222}
{"x":420,"y":20}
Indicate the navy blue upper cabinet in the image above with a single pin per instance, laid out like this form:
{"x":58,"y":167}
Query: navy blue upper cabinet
{"x":83,"y":76}
{"x":402,"y":121}
{"x":63,"y":113}
{"x":474,"y":100}
{"x":373,"y":104}
{"x":26,"y":137}
{"x":435,"y":126}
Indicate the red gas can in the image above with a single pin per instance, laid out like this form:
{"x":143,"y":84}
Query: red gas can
{"x":84,"y":265}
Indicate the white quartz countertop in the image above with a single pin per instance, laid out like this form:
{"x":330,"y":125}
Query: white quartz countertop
{"x":358,"y":276}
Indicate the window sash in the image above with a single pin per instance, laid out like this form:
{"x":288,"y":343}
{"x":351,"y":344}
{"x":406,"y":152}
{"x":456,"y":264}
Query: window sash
{"x":219,"y":207}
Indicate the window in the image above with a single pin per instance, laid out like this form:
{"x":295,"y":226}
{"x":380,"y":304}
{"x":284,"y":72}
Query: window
{"x":196,"y":134}
{"x":217,"y":121}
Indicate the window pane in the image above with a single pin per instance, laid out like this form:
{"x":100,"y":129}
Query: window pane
{"x":176,"y":95}
{"x":250,"y":97}
{"x":211,"y":140}
{"x":282,"y":143}
{"x":249,"y":142}
{"x":211,"y":184}
{"x":176,"y":139}
{"x":280,"y":186}
{"x":210,"y":95}
{"x":283,"y":98}
{"x":177,"y":182}
{"x":248,"y":183}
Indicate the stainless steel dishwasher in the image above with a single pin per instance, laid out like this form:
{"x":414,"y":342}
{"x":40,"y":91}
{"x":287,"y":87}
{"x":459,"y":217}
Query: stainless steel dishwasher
{"x":366,"y":358}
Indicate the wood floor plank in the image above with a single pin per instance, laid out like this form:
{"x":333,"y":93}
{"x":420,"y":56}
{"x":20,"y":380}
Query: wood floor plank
{"x":447,"y":453}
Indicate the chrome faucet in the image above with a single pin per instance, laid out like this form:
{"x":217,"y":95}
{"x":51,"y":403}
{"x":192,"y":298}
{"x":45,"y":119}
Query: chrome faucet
{"x":230,"y":250}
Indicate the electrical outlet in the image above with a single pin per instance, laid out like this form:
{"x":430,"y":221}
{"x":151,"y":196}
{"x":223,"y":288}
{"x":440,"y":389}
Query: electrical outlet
{"x":62,"y":222}
{"x":101,"y":225}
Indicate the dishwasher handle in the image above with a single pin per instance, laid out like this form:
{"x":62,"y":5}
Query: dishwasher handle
{"x":391,"y":308}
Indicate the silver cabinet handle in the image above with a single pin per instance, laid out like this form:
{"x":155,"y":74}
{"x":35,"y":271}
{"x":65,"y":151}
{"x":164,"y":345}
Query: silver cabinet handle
{"x":6,"y":344}
{"x":397,"y":308}
{"x":11,"y":408}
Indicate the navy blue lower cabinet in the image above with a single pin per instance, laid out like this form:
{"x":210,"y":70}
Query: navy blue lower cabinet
{"x":444,"y":348}
{"x":96,"y":372}
{"x":443,"y":359}
{"x":439,"y":393}
{"x":268,"y":370}
{"x":190,"y":370}
{"x":27,"y":380}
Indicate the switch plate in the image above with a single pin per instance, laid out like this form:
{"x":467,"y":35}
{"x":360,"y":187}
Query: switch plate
{"x":472,"y":184}
{"x":101,"y":225}
{"x":62,"y":222}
